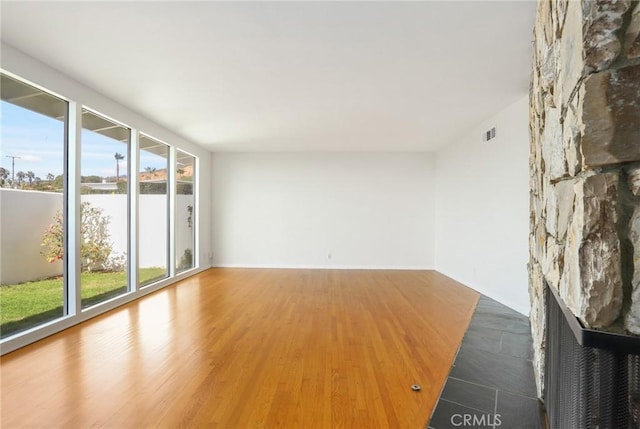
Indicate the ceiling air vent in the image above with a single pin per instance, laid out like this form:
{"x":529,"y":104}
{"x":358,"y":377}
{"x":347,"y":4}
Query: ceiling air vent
{"x":489,"y":135}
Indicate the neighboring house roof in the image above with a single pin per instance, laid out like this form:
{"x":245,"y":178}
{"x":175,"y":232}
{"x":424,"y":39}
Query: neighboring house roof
{"x":112,"y":186}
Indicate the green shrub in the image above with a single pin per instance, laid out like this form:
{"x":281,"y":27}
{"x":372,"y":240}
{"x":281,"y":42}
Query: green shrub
{"x":186,"y":260}
{"x":96,"y":245}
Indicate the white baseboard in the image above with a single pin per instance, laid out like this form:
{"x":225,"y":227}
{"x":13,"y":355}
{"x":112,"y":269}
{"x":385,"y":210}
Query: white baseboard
{"x":489,"y":293}
{"x":328,"y":267}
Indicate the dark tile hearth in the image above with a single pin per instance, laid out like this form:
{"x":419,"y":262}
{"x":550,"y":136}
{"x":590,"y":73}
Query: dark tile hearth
{"x":443,"y":420}
{"x":475,"y":396}
{"x":491,"y":382}
{"x":517,"y":411}
{"x":498,"y":370}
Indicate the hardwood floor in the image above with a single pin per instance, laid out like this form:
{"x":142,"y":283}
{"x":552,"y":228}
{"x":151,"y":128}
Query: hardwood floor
{"x":245,"y":348}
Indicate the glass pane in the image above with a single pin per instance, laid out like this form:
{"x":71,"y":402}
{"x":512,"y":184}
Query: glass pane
{"x":185,"y":211}
{"x":104,"y":209}
{"x":32,"y":221}
{"x":153,"y":254}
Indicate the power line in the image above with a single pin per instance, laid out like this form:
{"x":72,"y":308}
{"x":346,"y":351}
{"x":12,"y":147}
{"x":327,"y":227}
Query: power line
{"x":13,"y":166}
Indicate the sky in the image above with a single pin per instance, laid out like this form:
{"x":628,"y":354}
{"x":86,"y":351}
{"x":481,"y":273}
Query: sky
{"x":39,"y":142}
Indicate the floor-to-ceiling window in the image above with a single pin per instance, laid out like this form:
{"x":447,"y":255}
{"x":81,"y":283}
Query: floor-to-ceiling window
{"x":104,"y":210}
{"x":32,"y":206}
{"x":90,"y":210}
{"x":185,"y":211}
{"x":153,"y":229}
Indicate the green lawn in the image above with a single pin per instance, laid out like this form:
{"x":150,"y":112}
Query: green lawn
{"x":25,"y":305}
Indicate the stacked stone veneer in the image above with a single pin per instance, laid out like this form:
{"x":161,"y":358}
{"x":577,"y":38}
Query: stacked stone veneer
{"x":585,"y":164}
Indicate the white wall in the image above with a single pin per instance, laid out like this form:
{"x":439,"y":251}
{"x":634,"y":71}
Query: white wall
{"x":26,"y":215}
{"x":368,"y":210}
{"x":153,"y":230}
{"x":482,"y":208}
{"x":49,"y":79}
{"x":153,"y":225}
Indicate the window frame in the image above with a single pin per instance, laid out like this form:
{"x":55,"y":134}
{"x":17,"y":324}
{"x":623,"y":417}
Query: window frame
{"x":131,"y":278}
{"x":167,"y":208}
{"x":66,"y":308}
{"x":196,"y":204}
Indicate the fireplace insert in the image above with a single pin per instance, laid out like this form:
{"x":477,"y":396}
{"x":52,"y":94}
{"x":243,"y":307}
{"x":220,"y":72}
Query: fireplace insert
{"x":592,"y":378}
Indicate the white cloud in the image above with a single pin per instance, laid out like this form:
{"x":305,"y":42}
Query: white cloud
{"x":31,"y":158}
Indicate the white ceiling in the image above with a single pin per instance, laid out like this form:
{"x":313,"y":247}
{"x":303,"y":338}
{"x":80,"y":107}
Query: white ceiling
{"x":353,"y":76}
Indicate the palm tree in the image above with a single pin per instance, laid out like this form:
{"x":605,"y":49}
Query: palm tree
{"x":50,"y":177}
{"x":118,"y":157}
{"x":30,"y":176}
{"x":4,"y":174}
{"x":20,"y":175}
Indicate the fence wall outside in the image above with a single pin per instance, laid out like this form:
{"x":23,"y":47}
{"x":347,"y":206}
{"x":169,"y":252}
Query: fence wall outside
{"x":26,"y":215}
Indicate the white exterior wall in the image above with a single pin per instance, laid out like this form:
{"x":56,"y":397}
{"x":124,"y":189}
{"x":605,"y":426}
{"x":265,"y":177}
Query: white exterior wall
{"x":152,"y":228}
{"x":184,"y":234}
{"x":27,"y":214}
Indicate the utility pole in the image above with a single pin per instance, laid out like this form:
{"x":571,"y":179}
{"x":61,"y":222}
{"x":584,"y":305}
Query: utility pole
{"x":13,"y":166}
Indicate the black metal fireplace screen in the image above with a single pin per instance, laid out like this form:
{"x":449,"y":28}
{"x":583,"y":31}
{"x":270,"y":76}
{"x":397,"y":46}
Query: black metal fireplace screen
{"x":592,"y":378}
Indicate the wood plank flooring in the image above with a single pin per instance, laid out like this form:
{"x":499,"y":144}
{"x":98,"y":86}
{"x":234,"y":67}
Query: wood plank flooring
{"x":250,"y":348}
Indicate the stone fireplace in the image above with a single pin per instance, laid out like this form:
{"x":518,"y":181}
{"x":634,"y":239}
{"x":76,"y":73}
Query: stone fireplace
{"x":585,"y":167}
